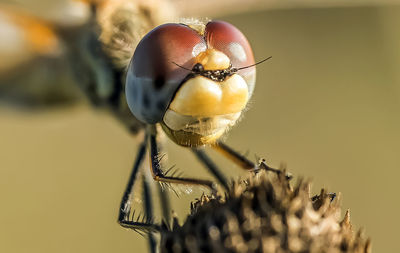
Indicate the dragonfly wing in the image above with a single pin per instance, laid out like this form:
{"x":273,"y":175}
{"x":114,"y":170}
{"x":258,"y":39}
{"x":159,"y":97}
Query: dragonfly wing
{"x":33,"y":69}
{"x":54,"y":61}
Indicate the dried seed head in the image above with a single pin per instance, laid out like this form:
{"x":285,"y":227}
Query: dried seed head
{"x":265,"y":214}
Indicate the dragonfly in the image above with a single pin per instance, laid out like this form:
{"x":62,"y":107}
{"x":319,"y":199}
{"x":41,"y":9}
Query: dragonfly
{"x":191,"y":80}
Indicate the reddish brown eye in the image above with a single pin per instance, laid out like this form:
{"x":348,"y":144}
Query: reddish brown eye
{"x":229,"y":40}
{"x":152,"y":77}
{"x":166,"y":44}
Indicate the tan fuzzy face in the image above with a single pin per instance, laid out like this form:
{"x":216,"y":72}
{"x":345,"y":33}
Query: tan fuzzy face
{"x":207,"y":107}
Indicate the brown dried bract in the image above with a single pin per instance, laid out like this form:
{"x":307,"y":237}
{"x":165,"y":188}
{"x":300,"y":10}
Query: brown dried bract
{"x":265,"y":214}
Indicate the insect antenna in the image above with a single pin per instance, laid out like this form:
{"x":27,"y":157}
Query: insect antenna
{"x":181,"y":66}
{"x":236,"y":69}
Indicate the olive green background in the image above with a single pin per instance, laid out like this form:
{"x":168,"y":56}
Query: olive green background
{"x":327,"y":105}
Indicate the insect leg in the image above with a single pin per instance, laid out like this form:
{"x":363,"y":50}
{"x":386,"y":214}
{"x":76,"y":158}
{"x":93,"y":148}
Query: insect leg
{"x":211,"y":166}
{"x":125,"y":207}
{"x":234,"y":156}
{"x":158,"y":174}
{"x":149,"y":212}
{"x":242,"y":161}
{"x":164,"y":199}
{"x":165,"y":204}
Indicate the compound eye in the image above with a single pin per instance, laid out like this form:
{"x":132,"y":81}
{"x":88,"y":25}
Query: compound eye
{"x":228,"y":39}
{"x":152,"y":77}
{"x":160,"y":48}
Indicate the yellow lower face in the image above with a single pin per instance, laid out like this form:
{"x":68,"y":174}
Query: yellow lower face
{"x":193,"y":131}
{"x":202,"y":109}
{"x":190,"y":139}
{"x":201,"y":96}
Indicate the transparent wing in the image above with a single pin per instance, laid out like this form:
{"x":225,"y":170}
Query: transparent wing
{"x":33,"y":68}
{"x":55,"y":57}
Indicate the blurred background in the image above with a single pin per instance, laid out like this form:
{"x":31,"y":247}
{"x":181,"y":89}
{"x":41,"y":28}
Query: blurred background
{"x":327,"y":105}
